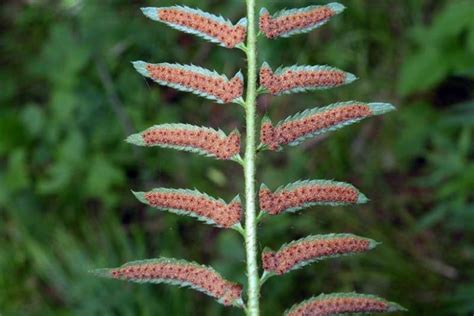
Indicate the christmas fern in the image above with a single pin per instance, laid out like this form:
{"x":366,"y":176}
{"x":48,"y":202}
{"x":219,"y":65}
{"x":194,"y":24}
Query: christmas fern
{"x":219,"y":145}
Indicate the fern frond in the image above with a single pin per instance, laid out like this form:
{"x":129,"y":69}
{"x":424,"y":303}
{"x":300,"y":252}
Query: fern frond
{"x":189,"y":78}
{"x":343,"y":303}
{"x":201,"y":140}
{"x":195,"y":204}
{"x":302,"y":252}
{"x":312,"y":122}
{"x":302,"y":194}
{"x":213,"y":28}
{"x":296,"y":21}
{"x":178,"y":272}
{"x":294,"y":79}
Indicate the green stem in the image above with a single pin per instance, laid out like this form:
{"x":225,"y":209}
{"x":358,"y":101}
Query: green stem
{"x":253,"y":291}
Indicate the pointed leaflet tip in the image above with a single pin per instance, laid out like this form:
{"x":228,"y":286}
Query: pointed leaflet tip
{"x":266,"y":119}
{"x":235,"y":131}
{"x":236,"y":199}
{"x":265,"y":65}
{"x":103,"y":273}
{"x":150,"y":12}
{"x":135,"y":139}
{"x":263,"y":186}
{"x":336,"y":7}
{"x":243,"y":22}
{"x":140,"y":66}
{"x":362,"y":198}
{"x":350,"y":78}
{"x":373,"y":243}
{"x":140,"y":197}
{"x":394,"y":307}
{"x":239,"y":75}
{"x":381,"y":108}
{"x":267,"y":250}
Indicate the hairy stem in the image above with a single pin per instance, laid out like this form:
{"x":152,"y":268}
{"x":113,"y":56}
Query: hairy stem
{"x":253,"y":290}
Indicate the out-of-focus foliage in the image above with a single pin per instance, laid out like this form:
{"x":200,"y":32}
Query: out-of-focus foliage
{"x":445,"y":47}
{"x":69,"y":96}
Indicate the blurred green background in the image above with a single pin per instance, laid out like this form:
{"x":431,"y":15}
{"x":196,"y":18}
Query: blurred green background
{"x":69,"y":96}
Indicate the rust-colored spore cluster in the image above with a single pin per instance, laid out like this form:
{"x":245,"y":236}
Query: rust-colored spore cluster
{"x":278,"y":202}
{"x":230,"y":36}
{"x":296,"y":79}
{"x":274,"y":27}
{"x":200,"y":277}
{"x":224,"y":215}
{"x":286,"y":259}
{"x":223,"y":90}
{"x":335,"y":306}
{"x":292,"y":130}
{"x":268,"y":136}
{"x":206,"y":140}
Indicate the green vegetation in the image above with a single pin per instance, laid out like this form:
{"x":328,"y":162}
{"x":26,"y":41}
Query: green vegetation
{"x":68,"y":98}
